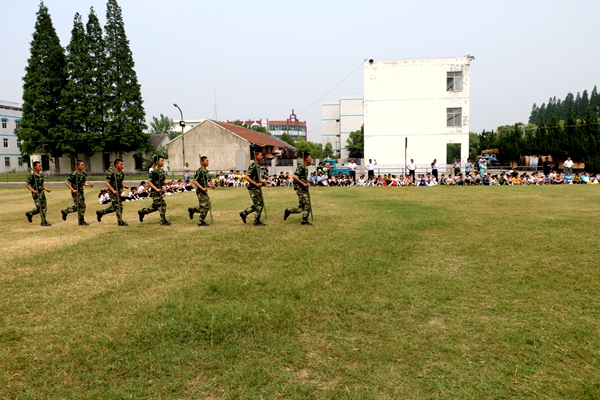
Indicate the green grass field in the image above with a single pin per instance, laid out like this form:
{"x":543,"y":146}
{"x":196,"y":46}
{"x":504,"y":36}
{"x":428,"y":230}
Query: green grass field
{"x":399,"y":293}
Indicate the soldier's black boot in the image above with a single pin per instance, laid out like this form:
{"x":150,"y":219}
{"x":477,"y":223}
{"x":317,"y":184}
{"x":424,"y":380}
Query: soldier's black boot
{"x":258,"y":223}
{"x":141,"y":215}
{"x":82,"y":222}
{"x":98,"y":216}
{"x":64,"y":214}
{"x":29,"y":216}
{"x":243,"y":216}
{"x":45,"y":224}
{"x":123,"y":223}
{"x":305,"y":222}
{"x":286,"y":214}
{"x":191,"y":212}
{"x":202,"y":223}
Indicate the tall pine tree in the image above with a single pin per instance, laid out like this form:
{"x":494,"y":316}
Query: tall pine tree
{"x":40,"y":129}
{"x":125,"y":112}
{"x":74,"y":97}
{"x":95,"y":81}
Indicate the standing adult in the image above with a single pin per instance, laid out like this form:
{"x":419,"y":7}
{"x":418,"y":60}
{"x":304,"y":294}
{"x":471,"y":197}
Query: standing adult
{"x":75,"y":182}
{"x":352,"y":170}
{"x":547,"y":166}
{"x":568,"y":164}
{"x":468,"y":166}
{"x":114,"y":182}
{"x":301,"y":188}
{"x":156,"y":181}
{"x":456,"y":166}
{"x":371,"y":169}
{"x":186,"y":172}
{"x":255,"y":182}
{"x":201,"y":182}
{"x":35,"y":184}
{"x":434,"y":169}
{"x":412,"y":167}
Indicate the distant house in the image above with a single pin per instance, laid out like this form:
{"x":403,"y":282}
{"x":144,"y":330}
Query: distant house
{"x":10,"y":154}
{"x":226,"y":145}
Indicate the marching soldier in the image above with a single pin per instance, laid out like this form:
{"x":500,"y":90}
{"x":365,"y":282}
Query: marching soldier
{"x":201,"y":182}
{"x":254,"y":184}
{"x":114,"y":183}
{"x":156,"y":181}
{"x":35,"y":184}
{"x":301,"y":188}
{"x":75,"y":182}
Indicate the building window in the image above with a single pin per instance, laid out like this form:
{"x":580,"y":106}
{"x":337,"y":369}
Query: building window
{"x":454,"y":81}
{"x":17,"y":124}
{"x":453,"y":117}
{"x":19,"y":143}
{"x":5,"y":142}
{"x":3,"y":124}
{"x":7,"y":162}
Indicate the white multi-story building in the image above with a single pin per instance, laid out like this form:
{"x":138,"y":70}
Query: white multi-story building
{"x":10,"y":155}
{"x":340,"y":118}
{"x":414,"y":108}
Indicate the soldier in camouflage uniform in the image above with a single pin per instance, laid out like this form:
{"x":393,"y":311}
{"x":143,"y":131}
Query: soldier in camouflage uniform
{"x":301,"y":188}
{"x":201,"y":182}
{"x":156,"y":181}
{"x":114,"y":183}
{"x":75,"y":182}
{"x":35,"y":184}
{"x":254,"y":184}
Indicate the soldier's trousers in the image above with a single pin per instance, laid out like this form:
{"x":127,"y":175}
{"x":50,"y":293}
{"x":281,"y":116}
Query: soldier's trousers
{"x":78,"y":205}
{"x":203,"y":205}
{"x":116,"y":205}
{"x":40,"y":205}
{"x":158,"y":204}
{"x":257,"y":206}
{"x":303,"y":204}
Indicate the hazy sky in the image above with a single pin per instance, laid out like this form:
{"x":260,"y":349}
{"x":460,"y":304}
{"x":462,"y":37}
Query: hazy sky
{"x":260,"y":59}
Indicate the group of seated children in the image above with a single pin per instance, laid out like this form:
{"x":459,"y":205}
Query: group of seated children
{"x":143,"y":191}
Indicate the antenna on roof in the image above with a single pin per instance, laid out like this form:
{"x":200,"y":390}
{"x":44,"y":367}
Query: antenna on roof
{"x":215,"y":112}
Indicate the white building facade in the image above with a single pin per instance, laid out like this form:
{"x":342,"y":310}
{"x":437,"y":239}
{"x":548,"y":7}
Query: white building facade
{"x":414,"y":108}
{"x":10,"y":155}
{"x":339,"y":119}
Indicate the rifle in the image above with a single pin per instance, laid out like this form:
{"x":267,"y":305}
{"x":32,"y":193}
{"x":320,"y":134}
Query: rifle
{"x":39,"y":198}
{"x":209,"y":202}
{"x":261,"y":192}
{"x":79,"y":197}
{"x":312,"y":217}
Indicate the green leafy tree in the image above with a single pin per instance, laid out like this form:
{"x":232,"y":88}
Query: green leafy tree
{"x":40,"y":129}
{"x":356,"y":139}
{"x":256,"y":128}
{"x":315,"y":149}
{"x":474,"y":148}
{"x":328,"y":150}
{"x":595,"y":101}
{"x":163,"y":125}
{"x":287,"y":138}
{"x":125,"y":113}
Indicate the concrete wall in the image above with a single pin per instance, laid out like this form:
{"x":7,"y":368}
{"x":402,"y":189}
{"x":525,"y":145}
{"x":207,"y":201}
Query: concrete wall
{"x":93,"y":164}
{"x":406,"y":101}
{"x":207,"y":139}
{"x":351,"y":119}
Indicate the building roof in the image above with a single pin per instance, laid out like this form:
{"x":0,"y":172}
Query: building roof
{"x":158,"y":139}
{"x":287,"y":122}
{"x":255,"y":137}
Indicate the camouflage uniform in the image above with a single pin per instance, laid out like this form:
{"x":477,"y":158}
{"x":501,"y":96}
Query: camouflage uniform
{"x":255,"y":193}
{"x":116,"y":181}
{"x":77,"y":181}
{"x":203,"y":200}
{"x":157,"y":176}
{"x":302,"y":192}
{"x":37,"y":182}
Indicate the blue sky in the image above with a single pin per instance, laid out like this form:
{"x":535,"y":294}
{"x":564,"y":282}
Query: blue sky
{"x":261,"y":59}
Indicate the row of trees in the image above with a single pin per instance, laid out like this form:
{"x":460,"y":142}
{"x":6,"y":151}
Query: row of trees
{"x":315,"y":149}
{"x":86,"y":99}
{"x":578,"y":138}
{"x":561,"y":108}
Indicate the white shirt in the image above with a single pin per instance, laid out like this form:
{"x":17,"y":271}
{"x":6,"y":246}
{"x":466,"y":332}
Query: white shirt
{"x":569,"y":164}
{"x":371,"y":166}
{"x":412,"y":166}
{"x":352,"y":166}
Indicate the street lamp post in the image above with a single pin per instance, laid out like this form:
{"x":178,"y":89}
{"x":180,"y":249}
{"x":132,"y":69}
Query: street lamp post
{"x":182,"y":124}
